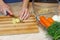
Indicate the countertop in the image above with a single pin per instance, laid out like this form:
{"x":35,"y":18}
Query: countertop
{"x":42,"y":35}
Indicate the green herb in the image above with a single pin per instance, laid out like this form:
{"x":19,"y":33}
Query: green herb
{"x":54,"y":30}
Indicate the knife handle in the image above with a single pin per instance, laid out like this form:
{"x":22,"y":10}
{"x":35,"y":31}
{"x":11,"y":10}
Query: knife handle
{"x":7,"y":13}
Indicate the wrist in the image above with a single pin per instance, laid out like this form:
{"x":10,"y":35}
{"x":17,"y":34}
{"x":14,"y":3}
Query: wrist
{"x":25,"y":3}
{"x":25,"y":6}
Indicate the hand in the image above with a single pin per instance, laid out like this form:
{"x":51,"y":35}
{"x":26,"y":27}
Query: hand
{"x":4,"y":7}
{"x":24,"y":14}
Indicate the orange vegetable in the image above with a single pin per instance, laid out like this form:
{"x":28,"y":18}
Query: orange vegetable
{"x":44,"y":21}
{"x":50,"y":20}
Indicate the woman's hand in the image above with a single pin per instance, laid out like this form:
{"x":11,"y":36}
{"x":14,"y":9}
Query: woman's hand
{"x":24,"y":14}
{"x":4,"y":7}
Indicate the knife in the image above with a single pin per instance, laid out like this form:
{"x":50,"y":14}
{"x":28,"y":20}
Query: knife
{"x":13,"y":16}
{"x":7,"y":13}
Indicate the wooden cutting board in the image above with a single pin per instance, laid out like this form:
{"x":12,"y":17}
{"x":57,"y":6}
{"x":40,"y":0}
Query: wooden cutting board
{"x":8,"y":28}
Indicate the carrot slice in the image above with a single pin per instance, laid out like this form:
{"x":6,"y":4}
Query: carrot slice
{"x":44,"y":21}
{"x":50,"y":20}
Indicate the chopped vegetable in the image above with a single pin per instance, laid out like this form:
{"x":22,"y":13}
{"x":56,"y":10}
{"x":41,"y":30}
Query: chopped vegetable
{"x":44,"y":21}
{"x":15,"y":20}
{"x":50,"y":20}
{"x":52,"y":26}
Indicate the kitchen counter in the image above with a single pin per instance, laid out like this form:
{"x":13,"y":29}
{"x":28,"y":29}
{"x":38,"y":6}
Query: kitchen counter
{"x":42,"y":35}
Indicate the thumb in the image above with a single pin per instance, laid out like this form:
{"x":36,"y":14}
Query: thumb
{"x":10,"y":12}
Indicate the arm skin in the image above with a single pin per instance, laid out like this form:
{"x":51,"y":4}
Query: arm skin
{"x":1,"y":1}
{"x":4,"y":7}
{"x":25,"y":3}
{"x":24,"y":13}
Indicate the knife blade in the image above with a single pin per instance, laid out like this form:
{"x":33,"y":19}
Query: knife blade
{"x":13,"y":16}
{"x":7,"y":13}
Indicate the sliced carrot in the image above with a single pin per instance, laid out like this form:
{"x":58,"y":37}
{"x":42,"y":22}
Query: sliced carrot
{"x":50,"y":20}
{"x":44,"y":21}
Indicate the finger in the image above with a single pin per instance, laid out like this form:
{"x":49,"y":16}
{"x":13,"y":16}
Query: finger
{"x":4,"y":12}
{"x":27,"y":16}
{"x":0,"y":9}
{"x":24,"y":15}
{"x":21,"y":14}
{"x":10,"y":12}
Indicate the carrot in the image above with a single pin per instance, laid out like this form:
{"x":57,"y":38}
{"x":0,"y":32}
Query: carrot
{"x":44,"y":21}
{"x":42,"y":18}
{"x":50,"y":20}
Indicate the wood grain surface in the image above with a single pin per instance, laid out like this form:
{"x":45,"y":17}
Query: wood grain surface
{"x":8,"y":28}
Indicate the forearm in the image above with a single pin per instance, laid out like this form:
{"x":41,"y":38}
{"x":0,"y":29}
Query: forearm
{"x":25,"y":3}
{"x":1,"y":2}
